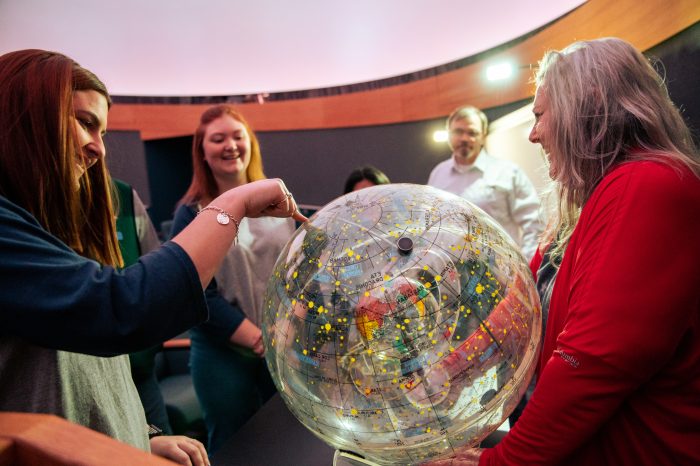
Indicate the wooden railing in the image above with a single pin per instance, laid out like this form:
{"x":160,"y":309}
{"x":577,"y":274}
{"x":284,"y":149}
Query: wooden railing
{"x":46,"y":440}
{"x":643,"y":23}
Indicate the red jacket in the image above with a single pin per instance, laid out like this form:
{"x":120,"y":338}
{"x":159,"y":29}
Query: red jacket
{"x":620,"y":367}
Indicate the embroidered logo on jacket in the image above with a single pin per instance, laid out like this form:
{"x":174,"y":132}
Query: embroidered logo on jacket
{"x":571,"y":360}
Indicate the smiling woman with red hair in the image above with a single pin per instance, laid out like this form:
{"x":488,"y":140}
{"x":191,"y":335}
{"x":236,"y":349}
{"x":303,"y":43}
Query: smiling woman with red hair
{"x":67,"y":316}
{"x":230,"y":377}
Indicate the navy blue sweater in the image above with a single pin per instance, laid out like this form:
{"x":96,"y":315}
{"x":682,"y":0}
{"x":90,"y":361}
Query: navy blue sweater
{"x":52,"y":297}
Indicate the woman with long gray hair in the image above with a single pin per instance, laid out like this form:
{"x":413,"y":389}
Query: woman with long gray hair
{"x":619,"y":373}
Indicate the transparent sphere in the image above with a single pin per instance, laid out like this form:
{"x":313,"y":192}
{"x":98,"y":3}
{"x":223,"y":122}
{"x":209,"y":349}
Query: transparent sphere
{"x":400,"y":323}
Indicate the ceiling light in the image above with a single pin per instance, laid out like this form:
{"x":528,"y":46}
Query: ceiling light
{"x":440,"y":135}
{"x":499,"y":71}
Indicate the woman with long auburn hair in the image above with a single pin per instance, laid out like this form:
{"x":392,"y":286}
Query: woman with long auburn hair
{"x":618,"y":270}
{"x":45,"y":151}
{"x":230,"y":377}
{"x":67,"y":315}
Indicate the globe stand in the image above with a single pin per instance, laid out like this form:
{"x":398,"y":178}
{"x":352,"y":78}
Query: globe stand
{"x":347,"y":458}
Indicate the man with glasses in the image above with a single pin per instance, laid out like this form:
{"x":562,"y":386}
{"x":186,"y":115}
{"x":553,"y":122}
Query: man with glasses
{"x":497,"y":186}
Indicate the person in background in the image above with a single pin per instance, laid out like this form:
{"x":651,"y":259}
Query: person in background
{"x":137,"y":236}
{"x":365,"y":177}
{"x":497,"y":186}
{"x":67,"y":315}
{"x":619,"y":373}
{"x":229,"y":373}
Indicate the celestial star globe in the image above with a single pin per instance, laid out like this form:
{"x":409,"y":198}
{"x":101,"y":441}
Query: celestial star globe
{"x":401,"y":323}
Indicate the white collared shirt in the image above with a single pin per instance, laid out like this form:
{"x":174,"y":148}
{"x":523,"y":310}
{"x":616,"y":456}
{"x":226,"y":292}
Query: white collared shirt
{"x":501,"y":189}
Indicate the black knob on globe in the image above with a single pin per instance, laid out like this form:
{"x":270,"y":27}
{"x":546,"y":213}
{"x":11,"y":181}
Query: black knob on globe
{"x":405,"y":245}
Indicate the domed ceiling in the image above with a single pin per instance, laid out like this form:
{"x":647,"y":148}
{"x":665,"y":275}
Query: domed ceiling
{"x":225,"y":47}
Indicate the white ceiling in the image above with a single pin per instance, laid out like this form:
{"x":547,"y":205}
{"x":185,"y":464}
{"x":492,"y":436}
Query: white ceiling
{"x":231,"y":47}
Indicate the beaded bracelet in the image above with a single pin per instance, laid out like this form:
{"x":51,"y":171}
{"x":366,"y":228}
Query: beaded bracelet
{"x":223,"y":217}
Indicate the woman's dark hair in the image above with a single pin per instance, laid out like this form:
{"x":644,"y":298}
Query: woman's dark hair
{"x":368,"y":173}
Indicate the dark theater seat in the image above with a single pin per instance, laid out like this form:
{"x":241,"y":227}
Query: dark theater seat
{"x":181,"y":404}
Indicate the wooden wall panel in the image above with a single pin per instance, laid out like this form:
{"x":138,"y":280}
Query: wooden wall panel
{"x":644,"y":24}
